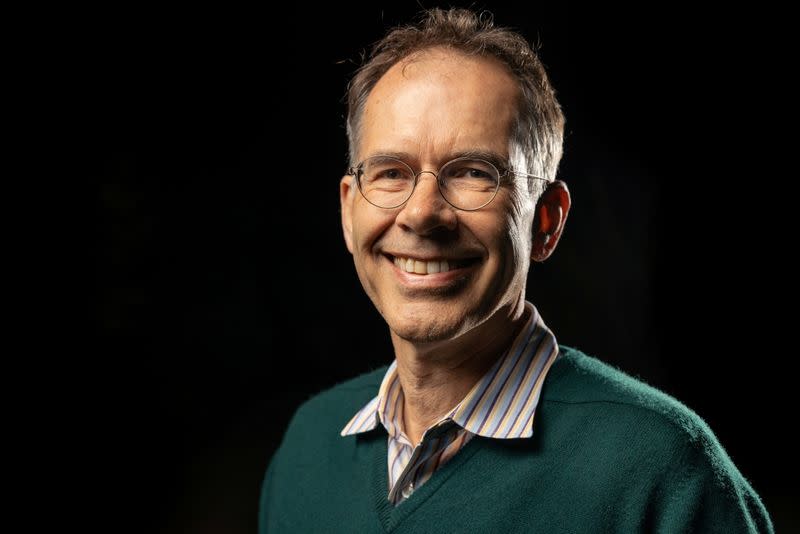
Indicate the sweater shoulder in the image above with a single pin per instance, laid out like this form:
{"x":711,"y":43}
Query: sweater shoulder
{"x":580,"y":379}
{"x":651,"y":437}
{"x":614,"y":407}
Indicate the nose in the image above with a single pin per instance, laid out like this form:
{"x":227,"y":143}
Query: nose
{"x":426,"y":211}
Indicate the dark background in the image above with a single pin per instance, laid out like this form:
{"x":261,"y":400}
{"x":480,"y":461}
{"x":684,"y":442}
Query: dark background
{"x":225,"y":295}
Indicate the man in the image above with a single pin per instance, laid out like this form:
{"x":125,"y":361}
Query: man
{"x":482,"y":422}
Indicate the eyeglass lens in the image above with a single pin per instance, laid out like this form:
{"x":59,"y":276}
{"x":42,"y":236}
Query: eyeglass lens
{"x":465,"y":183}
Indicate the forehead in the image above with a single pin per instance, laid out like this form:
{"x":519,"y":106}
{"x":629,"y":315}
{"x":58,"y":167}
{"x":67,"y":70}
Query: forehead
{"x":440,"y":101}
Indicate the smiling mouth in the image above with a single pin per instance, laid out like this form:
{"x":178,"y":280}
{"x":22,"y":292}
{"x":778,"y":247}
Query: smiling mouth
{"x":425,"y":267}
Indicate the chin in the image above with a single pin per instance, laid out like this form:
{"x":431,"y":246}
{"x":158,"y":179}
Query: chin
{"x":428,"y":324}
{"x":425,"y":329}
{"x":424,"y":333}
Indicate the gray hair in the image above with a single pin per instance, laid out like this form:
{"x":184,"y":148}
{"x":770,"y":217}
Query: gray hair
{"x":538,"y":131}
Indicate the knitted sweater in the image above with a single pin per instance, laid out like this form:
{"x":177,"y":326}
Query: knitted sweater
{"x":608,"y":454}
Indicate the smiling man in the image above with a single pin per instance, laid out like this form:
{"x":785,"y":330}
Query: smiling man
{"x":482,"y":422}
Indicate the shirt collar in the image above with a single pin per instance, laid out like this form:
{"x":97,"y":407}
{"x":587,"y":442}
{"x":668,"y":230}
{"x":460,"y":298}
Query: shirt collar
{"x":500,"y":405}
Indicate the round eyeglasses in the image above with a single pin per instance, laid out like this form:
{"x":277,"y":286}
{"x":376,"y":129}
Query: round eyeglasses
{"x":465,"y":183}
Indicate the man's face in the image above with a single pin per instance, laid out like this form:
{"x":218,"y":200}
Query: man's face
{"x":430,"y":110}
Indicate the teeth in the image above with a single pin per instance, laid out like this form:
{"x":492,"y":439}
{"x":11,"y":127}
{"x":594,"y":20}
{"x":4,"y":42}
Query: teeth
{"x":410,"y":265}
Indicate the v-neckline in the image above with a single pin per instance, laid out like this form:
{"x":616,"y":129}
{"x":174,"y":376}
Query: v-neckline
{"x":390,"y":515}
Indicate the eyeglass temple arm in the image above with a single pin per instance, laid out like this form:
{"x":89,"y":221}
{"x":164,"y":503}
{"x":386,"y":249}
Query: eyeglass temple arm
{"x":518,"y":173}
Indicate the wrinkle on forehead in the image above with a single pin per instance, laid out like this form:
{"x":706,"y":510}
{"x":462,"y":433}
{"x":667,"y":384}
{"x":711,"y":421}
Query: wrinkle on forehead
{"x":441,"y":101}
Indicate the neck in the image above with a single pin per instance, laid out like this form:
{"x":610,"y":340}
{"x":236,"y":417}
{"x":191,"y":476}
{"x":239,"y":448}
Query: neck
{"x":435,"y":377}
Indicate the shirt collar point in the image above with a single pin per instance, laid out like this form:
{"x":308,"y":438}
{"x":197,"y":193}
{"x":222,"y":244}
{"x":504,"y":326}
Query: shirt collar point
{"x":358,"y":430}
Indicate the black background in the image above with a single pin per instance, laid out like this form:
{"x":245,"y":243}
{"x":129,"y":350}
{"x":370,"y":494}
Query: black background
{"x":225,"y":295}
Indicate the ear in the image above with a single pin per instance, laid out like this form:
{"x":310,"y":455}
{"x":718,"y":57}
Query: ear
{"x":346,"y":189}
{"x":551,"y":215}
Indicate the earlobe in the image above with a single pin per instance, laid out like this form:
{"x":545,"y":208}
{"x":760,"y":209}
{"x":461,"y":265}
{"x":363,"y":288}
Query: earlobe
{"x":345,"y":203}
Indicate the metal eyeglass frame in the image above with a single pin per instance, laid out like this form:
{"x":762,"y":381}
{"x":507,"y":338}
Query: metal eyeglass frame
{"x":356,"y":173}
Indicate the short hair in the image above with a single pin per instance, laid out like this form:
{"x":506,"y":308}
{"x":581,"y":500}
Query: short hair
{"x":539,"y":126}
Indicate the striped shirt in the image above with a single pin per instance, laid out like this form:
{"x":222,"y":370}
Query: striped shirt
{"x":500,"y":405}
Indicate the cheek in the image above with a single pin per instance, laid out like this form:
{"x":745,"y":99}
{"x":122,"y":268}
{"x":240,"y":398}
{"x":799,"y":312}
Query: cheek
{"x":513,"y":223}
{"x":369,"y":225}
{"x":510,"y":239}
{"x":503,"y":237}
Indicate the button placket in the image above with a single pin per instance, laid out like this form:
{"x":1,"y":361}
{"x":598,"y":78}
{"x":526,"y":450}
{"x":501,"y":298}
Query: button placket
{"x":409,"y":471}
{"x":405,"y":483}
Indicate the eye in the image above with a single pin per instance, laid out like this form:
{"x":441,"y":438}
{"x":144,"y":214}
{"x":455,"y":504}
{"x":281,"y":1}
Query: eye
{"x":390,"y":174}
{"x":382,"y":169}
{"x":478,"y":173}
{"x":469,"y":170}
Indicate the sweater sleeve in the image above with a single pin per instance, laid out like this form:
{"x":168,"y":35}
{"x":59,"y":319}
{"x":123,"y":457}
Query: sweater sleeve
{"x":705,"y":492}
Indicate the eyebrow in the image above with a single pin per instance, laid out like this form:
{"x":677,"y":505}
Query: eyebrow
{"x":494,"y":158}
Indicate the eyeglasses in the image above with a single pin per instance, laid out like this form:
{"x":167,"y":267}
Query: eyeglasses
{"x":465,"y":183}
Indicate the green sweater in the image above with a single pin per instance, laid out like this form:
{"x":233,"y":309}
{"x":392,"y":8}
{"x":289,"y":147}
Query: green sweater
{"x":608,"y":454}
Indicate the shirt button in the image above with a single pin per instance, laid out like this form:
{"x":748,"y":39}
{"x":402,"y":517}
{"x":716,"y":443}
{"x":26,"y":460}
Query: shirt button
{"x":408,"y":490}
